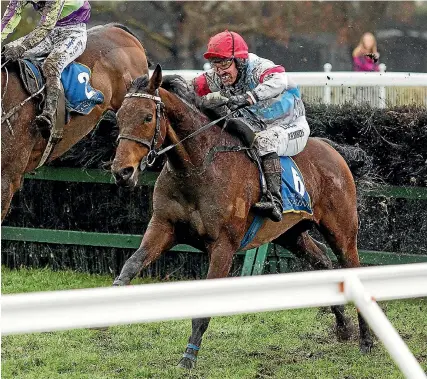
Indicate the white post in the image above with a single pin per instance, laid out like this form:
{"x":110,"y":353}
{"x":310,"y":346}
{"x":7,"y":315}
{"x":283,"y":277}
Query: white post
{"x":354,"y":291}
{"x":327,"y":89}
{"x":382,"y":93}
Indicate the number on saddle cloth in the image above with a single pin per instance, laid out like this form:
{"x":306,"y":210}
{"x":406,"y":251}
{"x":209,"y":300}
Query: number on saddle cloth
{"x":294,"y":195}
{"x":80,"y":97}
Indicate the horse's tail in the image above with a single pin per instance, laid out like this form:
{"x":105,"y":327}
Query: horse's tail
{"x":359,"y":162}
{"x":361,"y":166}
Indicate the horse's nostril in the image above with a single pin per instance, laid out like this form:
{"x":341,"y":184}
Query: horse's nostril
{"x":124,"y":173}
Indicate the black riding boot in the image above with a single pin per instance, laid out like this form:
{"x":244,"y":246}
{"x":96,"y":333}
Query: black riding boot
{"x":46,"y":121}
{"x":271,"y":204}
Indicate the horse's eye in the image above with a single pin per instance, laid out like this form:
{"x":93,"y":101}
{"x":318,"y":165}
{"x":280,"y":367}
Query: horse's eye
{"x":148,"y":118}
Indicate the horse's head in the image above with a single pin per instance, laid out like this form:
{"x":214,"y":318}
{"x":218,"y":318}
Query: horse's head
{"x":142,"y":129}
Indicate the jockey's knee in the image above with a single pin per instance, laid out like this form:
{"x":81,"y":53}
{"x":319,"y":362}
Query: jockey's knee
{"x":267,"y":142}
{"x":240,"y":129}
{"x":51,"y":67}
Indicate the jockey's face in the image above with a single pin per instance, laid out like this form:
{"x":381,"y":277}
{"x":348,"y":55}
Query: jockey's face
{"x":226,"y":70}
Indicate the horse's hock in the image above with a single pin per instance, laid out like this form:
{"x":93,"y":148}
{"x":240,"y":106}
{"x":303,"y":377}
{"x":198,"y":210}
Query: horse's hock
{"x":395,"y":223}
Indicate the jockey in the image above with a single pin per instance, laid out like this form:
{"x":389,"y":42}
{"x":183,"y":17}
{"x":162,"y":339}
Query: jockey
{"x":270,"y":108}
{"x":61,"y":35}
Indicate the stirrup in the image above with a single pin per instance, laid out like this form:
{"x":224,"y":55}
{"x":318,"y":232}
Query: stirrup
{"x":268,"y":209}
{"x":44,"y":124}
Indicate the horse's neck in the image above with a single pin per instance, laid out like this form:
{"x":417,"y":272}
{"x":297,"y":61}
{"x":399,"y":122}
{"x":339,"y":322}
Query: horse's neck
{"x":185,"y":119}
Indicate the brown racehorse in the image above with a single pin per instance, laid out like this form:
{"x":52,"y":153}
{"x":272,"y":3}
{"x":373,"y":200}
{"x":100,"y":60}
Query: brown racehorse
{"x":115,"y":57}
{"x":205,"y":202}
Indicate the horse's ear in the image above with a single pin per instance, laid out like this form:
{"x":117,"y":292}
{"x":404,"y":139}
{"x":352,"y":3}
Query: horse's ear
{"x":156,"y":78}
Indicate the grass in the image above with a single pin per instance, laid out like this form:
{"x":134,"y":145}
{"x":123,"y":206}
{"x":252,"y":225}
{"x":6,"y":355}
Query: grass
{"x":287,"y":344}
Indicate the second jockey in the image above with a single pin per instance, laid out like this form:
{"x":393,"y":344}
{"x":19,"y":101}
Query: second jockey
{"x":60,"y":35}
{"x":269,"y":105}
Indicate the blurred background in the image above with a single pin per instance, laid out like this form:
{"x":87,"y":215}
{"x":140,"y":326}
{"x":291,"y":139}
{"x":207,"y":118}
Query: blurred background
{"x":301,"y":35}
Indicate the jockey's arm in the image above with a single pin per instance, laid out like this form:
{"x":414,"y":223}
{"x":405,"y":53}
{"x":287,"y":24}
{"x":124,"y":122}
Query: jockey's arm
{"x":49,"y":16}
{"x":11,"y":18}
{"x":272,"y":82}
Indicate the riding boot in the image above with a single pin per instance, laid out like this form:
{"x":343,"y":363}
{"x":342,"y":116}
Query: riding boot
{"x":271,"y":204}
{"x":46,"y":121}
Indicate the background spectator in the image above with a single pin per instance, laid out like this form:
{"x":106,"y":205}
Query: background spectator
{"x":365,"y":55}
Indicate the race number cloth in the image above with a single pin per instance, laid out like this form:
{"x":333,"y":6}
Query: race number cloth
{"x":295,"y":197}
{"x":80,"y":97}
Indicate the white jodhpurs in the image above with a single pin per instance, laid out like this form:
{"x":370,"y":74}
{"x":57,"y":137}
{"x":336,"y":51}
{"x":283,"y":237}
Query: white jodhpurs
{"x":285,"y":140}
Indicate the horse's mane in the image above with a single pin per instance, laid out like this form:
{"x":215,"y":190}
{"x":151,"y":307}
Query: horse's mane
{"x":174,"y":84}
{"x":179,"y":86}
{"x":139,"y":84}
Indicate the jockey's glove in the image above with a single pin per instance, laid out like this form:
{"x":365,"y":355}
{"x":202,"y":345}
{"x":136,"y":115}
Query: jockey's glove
{"x":238,"y":101}
{"x":214,"y":100}
{"x":13,"y":53}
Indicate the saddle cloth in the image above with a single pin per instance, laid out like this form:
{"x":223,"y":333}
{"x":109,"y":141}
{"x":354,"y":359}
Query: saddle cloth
{"x":295,"y":197}
{"x":80,"y":97}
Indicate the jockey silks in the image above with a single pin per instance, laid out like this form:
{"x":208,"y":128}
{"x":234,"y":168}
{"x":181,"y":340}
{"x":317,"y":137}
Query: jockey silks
{"x":60,"y":13}
{"x":275,"y":95}
{"x":278,"y":115}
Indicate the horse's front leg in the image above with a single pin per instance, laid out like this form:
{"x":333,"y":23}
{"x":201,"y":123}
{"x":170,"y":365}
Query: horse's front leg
{"x":221,"y":258}
{"x":158,"y":238}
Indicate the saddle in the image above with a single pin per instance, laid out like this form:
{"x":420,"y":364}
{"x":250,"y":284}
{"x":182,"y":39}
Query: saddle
{"x":30,"y":72}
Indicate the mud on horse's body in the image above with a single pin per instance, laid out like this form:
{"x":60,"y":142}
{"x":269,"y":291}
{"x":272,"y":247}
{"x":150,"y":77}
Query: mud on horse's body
{"x":115,"y":57}
{"x":205,"y":203}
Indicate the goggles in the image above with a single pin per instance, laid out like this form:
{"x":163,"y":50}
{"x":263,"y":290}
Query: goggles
{"x":222,"y":64}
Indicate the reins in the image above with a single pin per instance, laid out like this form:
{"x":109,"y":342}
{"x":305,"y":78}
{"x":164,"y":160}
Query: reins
{"x":5,"y":117}
{"x":153,"y":154}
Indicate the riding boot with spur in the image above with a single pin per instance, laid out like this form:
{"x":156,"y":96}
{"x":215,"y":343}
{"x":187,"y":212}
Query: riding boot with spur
{"x":46,"y":121}
{"x":271,"y":204}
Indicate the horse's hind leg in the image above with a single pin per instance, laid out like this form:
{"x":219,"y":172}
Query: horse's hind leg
{"x":303,"y":246}
{"x":340,"y":231}
{"x":221,"y":259}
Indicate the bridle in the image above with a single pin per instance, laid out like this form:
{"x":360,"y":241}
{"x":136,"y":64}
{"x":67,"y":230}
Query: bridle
{"x":152,"y":155}
{"x":151,"y":145}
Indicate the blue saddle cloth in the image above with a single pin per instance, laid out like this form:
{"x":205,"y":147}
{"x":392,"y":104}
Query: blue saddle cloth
{"x":295,"y":197}
{"x":80,"y":97}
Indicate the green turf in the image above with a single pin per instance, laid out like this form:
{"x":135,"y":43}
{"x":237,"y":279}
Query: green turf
{"x":288,"y":344}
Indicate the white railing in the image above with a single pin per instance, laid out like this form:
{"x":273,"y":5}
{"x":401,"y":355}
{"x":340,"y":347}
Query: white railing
{"x":59,"y":310}
{"x":379,"y":89}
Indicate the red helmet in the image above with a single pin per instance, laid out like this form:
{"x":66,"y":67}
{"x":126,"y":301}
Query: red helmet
{"x":227,"y":45}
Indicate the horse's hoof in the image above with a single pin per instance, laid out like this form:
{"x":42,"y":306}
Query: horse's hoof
{"x":345,"y":331}
{"x":118,"y":283}
{"x":366,"y":346}
{"x":187,"y":363}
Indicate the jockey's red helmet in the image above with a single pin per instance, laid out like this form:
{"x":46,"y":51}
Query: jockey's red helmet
{"x":226,"y":45}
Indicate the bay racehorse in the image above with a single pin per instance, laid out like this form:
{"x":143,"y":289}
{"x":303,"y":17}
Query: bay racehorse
{"x":115,"y":57}
{"x":204,"y":199}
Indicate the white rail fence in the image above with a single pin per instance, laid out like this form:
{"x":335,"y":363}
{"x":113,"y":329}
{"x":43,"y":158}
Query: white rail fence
{"x":379,"y":89}
{"x":59,"y":310}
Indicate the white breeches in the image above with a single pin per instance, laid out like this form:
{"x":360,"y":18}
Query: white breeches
{"x":285,"y":140}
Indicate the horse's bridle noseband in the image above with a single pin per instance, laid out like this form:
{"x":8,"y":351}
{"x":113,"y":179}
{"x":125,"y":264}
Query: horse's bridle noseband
{"x":151,"y":145}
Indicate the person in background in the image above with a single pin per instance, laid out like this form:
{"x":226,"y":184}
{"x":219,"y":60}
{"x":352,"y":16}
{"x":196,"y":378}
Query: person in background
{"x":61,"y":35}
{"x":365,"y":55}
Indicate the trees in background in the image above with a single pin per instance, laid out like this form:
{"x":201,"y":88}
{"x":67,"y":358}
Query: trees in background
{"x":176,"y":32}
